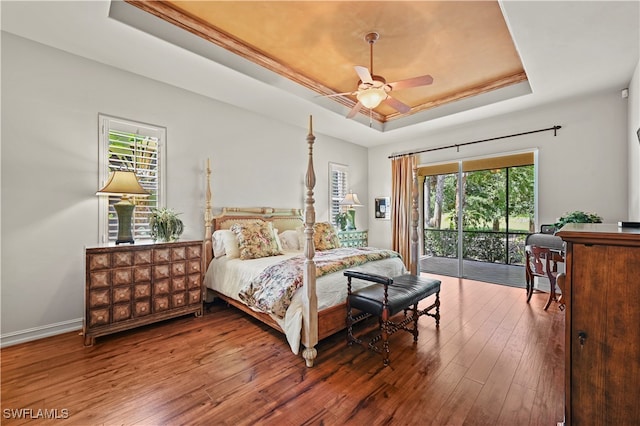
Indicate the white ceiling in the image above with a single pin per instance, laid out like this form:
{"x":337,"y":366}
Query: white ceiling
{"x":568,"y":48}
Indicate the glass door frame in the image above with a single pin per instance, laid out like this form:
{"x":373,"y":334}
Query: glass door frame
{"x":460,"y":188}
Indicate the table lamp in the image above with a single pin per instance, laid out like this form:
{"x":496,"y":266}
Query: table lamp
{"x":350,"y":201}
{"x":123,"y":183}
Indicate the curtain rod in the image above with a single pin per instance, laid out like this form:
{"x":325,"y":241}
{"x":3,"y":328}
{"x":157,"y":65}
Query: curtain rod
{"x":458,"y":145}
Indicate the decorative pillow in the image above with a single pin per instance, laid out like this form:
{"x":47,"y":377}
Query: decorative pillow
{"x":225,"y":243}
{"x":277,"y":235}
{"x":325,"y":236}
{"x":289,"y":240}
{"x":256,"y":239}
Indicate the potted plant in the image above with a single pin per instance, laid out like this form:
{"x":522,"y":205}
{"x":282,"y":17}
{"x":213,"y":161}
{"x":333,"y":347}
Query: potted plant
{"x":341,"y":220}
{"x":577,"y":217}
{"x":165,"y":225}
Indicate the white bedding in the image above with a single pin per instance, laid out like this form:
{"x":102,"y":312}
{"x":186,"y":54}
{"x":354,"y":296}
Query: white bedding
{"x":228,"y":276}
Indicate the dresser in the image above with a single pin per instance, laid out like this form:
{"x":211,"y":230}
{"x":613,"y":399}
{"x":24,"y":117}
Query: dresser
{"x":353,"y":238}
{"x":602,"y":328}
{"x":128,"y":286}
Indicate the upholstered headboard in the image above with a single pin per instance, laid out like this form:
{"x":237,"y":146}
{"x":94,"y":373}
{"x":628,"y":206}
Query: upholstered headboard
{"x":282,"y":219}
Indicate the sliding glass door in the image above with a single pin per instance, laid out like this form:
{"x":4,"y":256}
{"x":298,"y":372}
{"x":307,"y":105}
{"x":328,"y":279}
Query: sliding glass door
{"x":477,"y":213}
{"x":441,"y":223}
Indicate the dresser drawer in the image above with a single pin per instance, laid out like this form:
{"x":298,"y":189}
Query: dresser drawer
{"x":121,"y":259}
{"x":142,"y":308}
{"x":99,"y":317}
{"x":142,"y":291}
{"x":121,"y":312}
{"x":99,"y":298}
{"x":122,"y":276}
{"x":194,"y":281}
{"x":178,"y":284}
{"x":142,"y":274}
{"x":121,"y":294}
{"x":99,"y":279}
{"x":178,"y":268}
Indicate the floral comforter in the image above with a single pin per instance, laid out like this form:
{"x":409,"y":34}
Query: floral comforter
{"x":271,"y":291}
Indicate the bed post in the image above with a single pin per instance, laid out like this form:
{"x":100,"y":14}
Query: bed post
{"x":208,"y":217}
{"x":310,"y":299}
{"x":413,"y":261}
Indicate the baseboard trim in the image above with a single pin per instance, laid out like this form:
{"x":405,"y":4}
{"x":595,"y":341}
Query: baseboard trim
{"x":22,"y":336}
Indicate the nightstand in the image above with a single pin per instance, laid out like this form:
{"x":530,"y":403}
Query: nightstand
{"x":128,"y":286}
{"x":354,"y":238}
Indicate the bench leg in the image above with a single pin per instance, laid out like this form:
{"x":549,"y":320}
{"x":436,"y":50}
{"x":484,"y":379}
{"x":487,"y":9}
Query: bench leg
{"x":384,"y":331}
{"x":350,"y":338}
{"x":437,"y":309}
{"x":415,"y":323}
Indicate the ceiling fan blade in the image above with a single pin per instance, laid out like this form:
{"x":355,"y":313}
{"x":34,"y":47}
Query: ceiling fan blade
{"x":338,"y":94}
{"x":364,"y":74}
{"x":423,"y":80}
{"x":354,"y":110}
{"x":397,"y":105}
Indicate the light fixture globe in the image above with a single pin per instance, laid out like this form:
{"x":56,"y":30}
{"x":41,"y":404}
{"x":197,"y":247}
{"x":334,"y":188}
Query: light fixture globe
{"x":372,"y":97}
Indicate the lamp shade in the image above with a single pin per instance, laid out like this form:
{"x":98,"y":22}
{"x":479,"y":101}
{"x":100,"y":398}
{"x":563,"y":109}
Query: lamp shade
{"x":372,"y":97}
{"x":123,"y":182}
{"x":351,"y":199}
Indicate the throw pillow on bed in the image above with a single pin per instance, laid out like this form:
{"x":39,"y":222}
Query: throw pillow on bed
{"x":289,"y":240}
{"x":256,"y":239}
{"x":225,"y":243}
{"x":324,"y":236}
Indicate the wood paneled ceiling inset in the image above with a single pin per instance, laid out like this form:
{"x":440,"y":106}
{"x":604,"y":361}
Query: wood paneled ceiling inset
{"x":466,"y":45}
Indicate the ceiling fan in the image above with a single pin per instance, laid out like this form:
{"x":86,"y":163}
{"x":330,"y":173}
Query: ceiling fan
{"x":374,"y":89}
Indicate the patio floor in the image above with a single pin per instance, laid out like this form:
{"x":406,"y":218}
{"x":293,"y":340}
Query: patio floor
{"x":511,"y":275}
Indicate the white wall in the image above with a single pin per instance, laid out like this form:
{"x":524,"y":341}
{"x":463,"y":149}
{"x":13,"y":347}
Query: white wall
{"x":634,"y":146}
{"x":50,"y":106}
{"x":584,"y":167}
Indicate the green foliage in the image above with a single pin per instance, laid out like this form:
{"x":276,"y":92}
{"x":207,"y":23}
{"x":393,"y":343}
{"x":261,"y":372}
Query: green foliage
{"x":165,"y":225}
{"x":441,"y":243}
{"x":484,"y":207}
{"x":481,"y":246}
{"x":341,"y":220}
{"x":577,"y":217}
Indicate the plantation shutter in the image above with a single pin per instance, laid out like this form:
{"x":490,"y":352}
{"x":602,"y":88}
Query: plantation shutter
{"x":137,"y":147}
{"x":339,"y":183}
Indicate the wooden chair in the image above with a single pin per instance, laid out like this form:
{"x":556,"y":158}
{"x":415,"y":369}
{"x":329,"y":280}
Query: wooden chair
{"x":543,"y":262}
{"x":386,"y":298}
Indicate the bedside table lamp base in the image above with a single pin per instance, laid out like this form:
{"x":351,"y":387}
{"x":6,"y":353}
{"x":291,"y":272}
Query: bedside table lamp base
{"x":124,"y":210}
{"x":350,"y":201}
{"x":351,"y":220}
{"x":124,"y":183}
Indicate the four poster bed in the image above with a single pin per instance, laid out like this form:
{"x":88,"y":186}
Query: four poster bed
{"x":241,"y":258}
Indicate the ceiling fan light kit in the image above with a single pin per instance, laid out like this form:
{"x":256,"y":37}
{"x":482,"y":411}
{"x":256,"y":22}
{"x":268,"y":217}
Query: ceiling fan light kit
{"x":374,"y":89}
{"x":371,"y":97}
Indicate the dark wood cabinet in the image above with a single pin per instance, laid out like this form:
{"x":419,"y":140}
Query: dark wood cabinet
{"x":128,"y":286}
{"x":602,"y":295}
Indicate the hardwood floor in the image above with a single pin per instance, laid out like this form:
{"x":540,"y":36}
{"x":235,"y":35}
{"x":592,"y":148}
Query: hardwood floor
{"x":495,"y":360}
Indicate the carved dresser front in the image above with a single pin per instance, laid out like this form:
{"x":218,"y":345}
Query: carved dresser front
{"x":128,"y":286}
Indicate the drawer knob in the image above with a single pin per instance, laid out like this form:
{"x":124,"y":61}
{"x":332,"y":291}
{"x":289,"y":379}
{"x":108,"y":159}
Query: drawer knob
{"x":582,"y":337}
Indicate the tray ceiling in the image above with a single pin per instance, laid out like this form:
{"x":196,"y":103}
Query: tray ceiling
{"x":465,"y":46}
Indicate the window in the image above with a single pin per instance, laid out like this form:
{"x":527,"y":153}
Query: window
{"x":338,"y":188}
{"x":129,"y":145}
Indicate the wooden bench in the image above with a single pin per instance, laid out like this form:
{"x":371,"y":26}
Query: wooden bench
{"x":385,"y":298}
